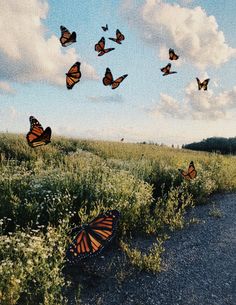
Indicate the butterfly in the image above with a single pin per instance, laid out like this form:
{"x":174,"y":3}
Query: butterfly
{"x":73,"y":75}
{"x":100,"y":47}
{"x":191,"y":173}
{"x":91,"y":238}
{"x":119,"y":37}
{"x":166,"y":70}
{"x":105,"y":28}
{"x":172,"y":55}
{"x":203,"y":84}
{"x":67,"y":38}
{"x":37,"y":136}
{"x":108,"y":79}
{"x":122,"y":139}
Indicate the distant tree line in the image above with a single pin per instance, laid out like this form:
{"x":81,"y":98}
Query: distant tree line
{"x":215,"y":144}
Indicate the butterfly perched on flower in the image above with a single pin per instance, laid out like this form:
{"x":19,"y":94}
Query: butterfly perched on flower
{"x":100,"y":47}
{"x":191,"y":173}
{"x":166,"y":70}
{"x":172,"y":55}
{"x":203,"y":84}
{"x":105,"y":28}
{"x":67,"y":38}
{"x":109,"y":81}
{"x":73,"y":75}
{"x":37,"y":136}
{"x":90,"y":239}
{"x":119,"y":37}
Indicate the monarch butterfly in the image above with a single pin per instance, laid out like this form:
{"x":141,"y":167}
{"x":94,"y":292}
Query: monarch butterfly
{"x":73,"y":76}
{"x":67,"y":38}
{"x":203,"y":84}
{"x":37,"y":136}
{"x":105,"y":28}
{"x":172,"y":55}
{"x":166,"y":70}
{"x":191,"y":173}
{"x":108,"y":79}
{"x":119,"y":37}
{"x":100,"y":47}
{"x":91,"y":238}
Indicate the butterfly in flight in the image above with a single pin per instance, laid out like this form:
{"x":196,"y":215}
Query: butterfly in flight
{"x":109,"y":81}
{"x":90,"y":239}
{"x":203,"y":84}
{"x":100,"y":47}
{"x":37,"y":136}
{"x":167,"y":71}
{"x":122,"y":139}
{"x":67,"y":38}
{"x":105,"y":28}
{"x":119,"y":37}
{"x":191,"y":173}
{"x":73,"y":75}
{"x":172,"y":55}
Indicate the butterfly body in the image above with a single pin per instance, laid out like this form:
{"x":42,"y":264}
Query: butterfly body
{"x":203,"y":85}
{"x":91,"y":238}
{"x":166,"y":70}
{"x":119,"y":37}
{"x":37,"y":136}
{"x":105,"y":28}
{"x":172,"y":55}
{"x":73,"y":75}
{"x":100,"y":47}
{"x":191,"y":173}
{"x":67,"y":38}
{"x":109,"y":81}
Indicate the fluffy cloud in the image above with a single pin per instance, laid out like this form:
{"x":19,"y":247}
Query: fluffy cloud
{"x":198,"y":105}
{"x":5,"y":88}
{"x":27,"y":53}
{"x":193,"y":33}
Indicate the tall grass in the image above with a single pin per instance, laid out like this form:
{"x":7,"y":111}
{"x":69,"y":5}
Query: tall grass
{"x":43,"y":191}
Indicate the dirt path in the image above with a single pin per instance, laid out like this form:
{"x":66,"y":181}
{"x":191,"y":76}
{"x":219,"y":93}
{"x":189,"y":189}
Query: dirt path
{"x":200,"y":266}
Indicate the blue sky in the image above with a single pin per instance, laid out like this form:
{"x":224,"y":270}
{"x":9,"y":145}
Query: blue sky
{"x":146,"y":106}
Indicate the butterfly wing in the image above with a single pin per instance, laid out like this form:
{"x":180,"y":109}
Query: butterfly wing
{"x":108,"y":78}
{"x":105,"y":51}
{"x":73,"y":76}
{"x":93,"y":237}
{"x":116,"y":83}
{"x":105,"y":28}
{"x":119,"y":36}
{"x":184,"y":174}
{"x":100,"y":45}
{"x":166,"y":69}
{"x":37,"y":136}
{"x":205,"y":83}
{"x":66,"y":37}
{"x":172,"y":55}
{"x":192,"y":173}
{"x":199,"y":84}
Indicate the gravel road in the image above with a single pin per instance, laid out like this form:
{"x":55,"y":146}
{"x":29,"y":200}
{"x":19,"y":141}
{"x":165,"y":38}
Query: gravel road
{"x":200,"y":265}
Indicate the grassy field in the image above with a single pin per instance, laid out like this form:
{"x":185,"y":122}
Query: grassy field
{"x":43,"y":191}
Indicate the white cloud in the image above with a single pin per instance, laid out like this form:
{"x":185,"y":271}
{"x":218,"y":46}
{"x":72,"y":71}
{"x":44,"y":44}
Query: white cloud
{"x":5,"y":88}
{"x":190,"y":31}
{"x":27,"y":54}
{"x":116,"y":98}
{"x":198,"y":105}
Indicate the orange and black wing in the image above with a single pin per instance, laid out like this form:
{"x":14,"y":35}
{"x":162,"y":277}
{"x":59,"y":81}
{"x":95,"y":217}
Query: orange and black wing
{"x":191,"y":173}
{"x":37,"y":136}
{"x":166,"y":69}
{"x":92,"y":238}
{"x":116,"y":83}
{"x":100,"y":45}
{"x":108,"y":78}
{"x":205,"y":83}
{"x":172,"y":55}
{"x":67,"y":38}
{"x":119,"y":37}
{"x":73,"y":76}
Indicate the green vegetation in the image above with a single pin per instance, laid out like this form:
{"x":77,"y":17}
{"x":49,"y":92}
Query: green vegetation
{"x":215,"y":144}
{"x":43,"y":191}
